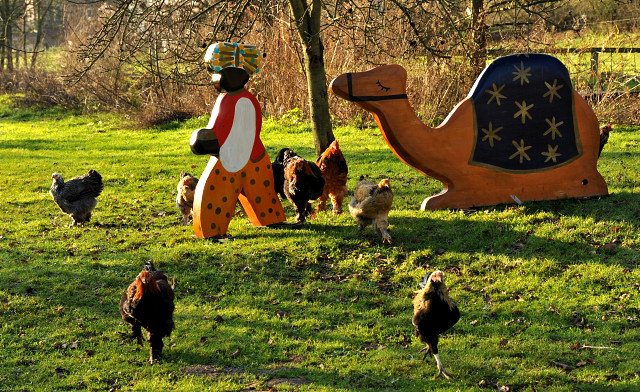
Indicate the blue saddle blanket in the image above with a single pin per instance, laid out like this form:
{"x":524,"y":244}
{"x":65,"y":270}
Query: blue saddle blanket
{"x":524,"y":115}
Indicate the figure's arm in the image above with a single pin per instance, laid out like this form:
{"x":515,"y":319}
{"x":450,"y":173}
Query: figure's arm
{"x":222,"y":117}
{"x":208,"y":140}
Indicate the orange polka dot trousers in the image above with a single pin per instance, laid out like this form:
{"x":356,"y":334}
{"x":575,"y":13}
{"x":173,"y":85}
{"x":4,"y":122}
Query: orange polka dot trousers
{"x":218,"y":191}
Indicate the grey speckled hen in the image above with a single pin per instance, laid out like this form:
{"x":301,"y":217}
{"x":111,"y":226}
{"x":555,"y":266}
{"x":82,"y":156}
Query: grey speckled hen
{"x":77,"y":197}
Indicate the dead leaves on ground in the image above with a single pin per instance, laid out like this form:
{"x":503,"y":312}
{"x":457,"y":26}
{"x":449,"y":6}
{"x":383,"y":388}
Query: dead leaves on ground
{"x":568,"y":368}
{"x":270,"y":383}
{"x":493,"y":385}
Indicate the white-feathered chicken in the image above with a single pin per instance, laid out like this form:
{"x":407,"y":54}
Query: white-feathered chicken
{"x":370,"y":205}
{"x":77,"y":197}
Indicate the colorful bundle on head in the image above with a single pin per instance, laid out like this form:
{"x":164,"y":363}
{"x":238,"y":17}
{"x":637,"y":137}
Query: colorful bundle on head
{"x":230,"y":54}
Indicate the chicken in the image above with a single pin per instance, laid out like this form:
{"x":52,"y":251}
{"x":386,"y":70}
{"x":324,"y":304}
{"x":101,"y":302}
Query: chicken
{"x":186,"y":191}
{"x":434,"y":312}
{"x":278,"y":171}
{"x":302,"y":182}
{"x":148,"y":303}
{"x":334,"y":169}
{"x":77,"y":197}
{"x":604,"y":137}
{"x":370,"y":205}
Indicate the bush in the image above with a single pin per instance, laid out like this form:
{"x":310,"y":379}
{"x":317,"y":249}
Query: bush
{"x":42,"y":89}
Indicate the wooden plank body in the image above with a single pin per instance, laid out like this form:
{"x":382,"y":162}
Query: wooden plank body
{"x":444,"y":152}
{"x":240,"y":170}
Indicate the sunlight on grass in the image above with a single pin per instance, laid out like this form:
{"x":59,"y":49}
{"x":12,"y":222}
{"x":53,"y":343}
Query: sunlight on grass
{"x":541,"y":286}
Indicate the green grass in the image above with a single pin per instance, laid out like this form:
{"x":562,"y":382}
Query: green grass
{"x":322,"y":308}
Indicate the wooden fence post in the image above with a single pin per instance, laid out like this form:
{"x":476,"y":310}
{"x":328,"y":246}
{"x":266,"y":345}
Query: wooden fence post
{"x":594,"y":61}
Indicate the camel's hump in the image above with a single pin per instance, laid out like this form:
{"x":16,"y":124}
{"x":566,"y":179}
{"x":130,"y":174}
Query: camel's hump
{"x":524,"y":115}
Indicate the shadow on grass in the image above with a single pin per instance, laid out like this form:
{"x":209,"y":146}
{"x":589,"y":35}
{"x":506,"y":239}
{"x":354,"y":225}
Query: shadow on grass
{"x":279,"y":273}
{"x":27,"y":144}
{"x":268,"y":363}
{"x":467,"y":234}
{"x":415,"y":375}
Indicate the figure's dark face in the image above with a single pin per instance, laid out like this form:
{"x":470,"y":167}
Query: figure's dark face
{"x":230,"y":79}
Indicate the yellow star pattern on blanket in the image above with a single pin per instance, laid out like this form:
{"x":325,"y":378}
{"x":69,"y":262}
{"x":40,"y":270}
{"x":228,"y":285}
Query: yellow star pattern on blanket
{"x":524,"y":121}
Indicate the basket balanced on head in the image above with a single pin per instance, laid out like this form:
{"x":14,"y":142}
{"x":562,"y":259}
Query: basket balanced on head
{"x":521,"y":134}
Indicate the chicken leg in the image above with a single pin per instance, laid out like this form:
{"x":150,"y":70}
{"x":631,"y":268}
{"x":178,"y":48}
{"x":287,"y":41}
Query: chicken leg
{"x":427,"y":350}
{"x":155,"y":341}
{"x":441,"y":370}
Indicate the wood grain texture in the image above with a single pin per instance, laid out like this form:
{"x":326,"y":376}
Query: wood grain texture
{"x":444,"y":152}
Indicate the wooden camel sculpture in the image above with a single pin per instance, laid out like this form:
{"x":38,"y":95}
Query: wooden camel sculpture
{"x":521,"y":134}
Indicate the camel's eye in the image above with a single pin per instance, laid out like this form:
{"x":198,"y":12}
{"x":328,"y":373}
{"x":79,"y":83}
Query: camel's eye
{"x":383,"y":88}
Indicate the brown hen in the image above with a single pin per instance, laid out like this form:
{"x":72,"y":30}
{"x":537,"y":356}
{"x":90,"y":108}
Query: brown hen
{"x":148,"y":303}
{"x":434,"y":312}
{"x":303,"y":182}
{"x":370,"y":205}
{"x":334,"y":169}
{"x":186,"y":192}
{"x":604,"y":137}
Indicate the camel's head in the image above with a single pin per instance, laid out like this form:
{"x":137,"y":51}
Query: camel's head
{"x":384,"y":83}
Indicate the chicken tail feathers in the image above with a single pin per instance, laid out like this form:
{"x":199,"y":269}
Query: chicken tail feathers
{"x":353,"y":208}
{"x":94,"y":180}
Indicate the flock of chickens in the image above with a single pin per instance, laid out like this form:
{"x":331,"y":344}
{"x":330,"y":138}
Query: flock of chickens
{"x":301,"y":182}
{"x":295,"y":179}
{"x":148,"y":302}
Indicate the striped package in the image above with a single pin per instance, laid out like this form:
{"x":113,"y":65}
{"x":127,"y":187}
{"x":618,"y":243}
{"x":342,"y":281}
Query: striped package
{"x":230,"y":54}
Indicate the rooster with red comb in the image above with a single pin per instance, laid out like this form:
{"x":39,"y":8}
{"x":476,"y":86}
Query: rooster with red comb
{"x":148,"y":303}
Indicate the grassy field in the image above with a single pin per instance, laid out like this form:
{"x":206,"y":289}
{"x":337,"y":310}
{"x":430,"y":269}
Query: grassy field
{"x":549,"y":291}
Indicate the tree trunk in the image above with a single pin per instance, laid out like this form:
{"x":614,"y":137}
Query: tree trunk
{"x":318,"y":99}
{"x":3,"y":48}
{"x":307,"y":20}
{"x":24,"y":39}
{"x":478,"y":37}
{"x":42,"y":11}
{"x":8,"y":48}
